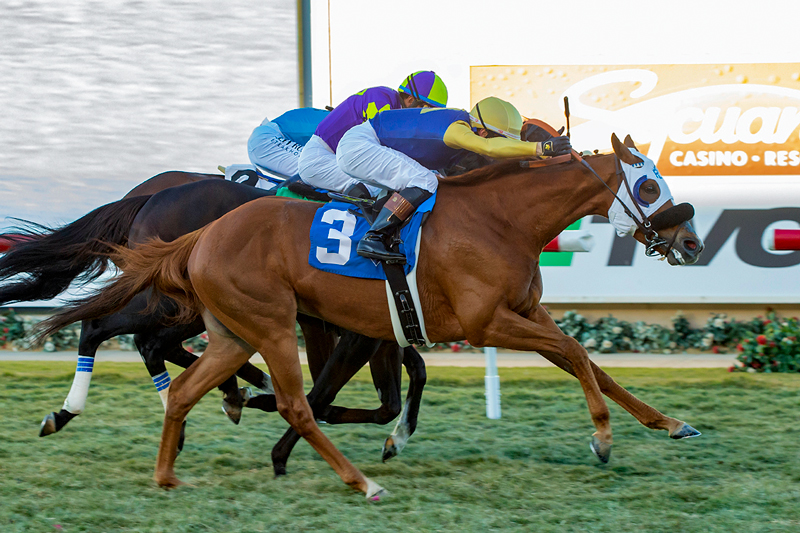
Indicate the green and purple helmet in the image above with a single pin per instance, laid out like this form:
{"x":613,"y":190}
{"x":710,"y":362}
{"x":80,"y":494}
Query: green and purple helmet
{"x":427,"y":86}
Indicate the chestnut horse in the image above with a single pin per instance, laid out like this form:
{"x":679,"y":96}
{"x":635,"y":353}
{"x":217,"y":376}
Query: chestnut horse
{"x":54,"y":258}
{"x":478,"y":277}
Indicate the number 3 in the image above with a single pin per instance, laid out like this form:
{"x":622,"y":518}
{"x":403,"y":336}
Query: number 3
{"x":342,"y":255}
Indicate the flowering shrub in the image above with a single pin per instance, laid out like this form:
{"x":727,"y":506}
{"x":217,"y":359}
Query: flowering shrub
{"x":607,"y":335}
{"x":764,"y":344}
{"x":199,"y":343}
{"x":720,"y":333}
{"x":15,"y":333}
{"x":653,"y":338}
{"x":575,"y":325}
{"x":776,"y":349}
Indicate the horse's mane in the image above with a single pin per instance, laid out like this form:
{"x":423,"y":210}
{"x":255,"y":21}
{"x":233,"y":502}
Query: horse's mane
{"x":479,"y":175}
{"x":501,"y":168}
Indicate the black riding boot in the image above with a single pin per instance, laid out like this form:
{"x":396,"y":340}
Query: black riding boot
{"x":396,"y":211}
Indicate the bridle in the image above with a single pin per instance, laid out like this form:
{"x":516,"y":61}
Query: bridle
{"x":650,"y":231}
{"x":652,"y":239}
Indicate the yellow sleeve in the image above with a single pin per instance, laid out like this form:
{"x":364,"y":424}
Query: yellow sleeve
{"x":460,"y":135}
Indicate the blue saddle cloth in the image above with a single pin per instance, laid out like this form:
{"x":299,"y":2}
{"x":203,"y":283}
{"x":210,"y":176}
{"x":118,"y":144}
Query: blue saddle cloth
{"x":335,"y":233}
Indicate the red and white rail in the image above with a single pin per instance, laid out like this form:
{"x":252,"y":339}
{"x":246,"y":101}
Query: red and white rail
{"x":784,"y":239}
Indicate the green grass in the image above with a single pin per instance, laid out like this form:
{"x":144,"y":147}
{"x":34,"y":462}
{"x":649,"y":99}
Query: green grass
{"x":530,"y":471}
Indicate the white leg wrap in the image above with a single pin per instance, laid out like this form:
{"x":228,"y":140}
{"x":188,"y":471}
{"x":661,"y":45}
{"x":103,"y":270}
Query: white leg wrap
{"x":162,"y":382}
{"x":76,"y":399}
{"x":401,"y":434}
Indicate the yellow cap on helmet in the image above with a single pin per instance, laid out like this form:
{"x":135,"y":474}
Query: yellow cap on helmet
{"x":498,"y":116}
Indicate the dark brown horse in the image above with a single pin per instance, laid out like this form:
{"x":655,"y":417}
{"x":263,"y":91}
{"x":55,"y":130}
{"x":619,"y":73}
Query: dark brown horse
{"x":54,"y":258}
{"x":478,"y":278}
{"x":165,"y":180}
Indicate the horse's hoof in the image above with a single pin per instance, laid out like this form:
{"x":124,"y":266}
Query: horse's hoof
{"x":48,"y":426}
{"x":279,"y":470}
{"x":389,"y":449}
{"x":600,"y":449}
{"x":234,"y":414}
{"x":375,"y":492}
{"x":169,"y":482}
{"x":685,"y":432}
{"x":378,"y":496}
{"x":233,"y":407}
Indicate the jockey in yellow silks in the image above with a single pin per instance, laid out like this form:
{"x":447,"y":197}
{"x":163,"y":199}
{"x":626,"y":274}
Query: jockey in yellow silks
{"x":400,"y":149}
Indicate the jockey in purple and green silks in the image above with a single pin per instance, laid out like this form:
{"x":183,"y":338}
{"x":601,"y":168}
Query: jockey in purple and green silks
{"x":400,"y":150}
{"x":317,"y":165}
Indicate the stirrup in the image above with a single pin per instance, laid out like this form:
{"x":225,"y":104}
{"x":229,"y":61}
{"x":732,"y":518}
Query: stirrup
{"x":364,"y":249}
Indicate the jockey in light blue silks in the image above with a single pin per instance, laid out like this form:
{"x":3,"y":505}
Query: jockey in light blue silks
{"x":318,"y":166}
{"x":276,"y":144}
{"x":399,"y":150}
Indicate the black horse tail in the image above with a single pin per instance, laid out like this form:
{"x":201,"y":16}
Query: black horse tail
{"x":47,"y":260}
{"x":158,"y":265}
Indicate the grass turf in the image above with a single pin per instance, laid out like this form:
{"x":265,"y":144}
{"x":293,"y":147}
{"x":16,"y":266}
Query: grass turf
{"x":529,"y":471}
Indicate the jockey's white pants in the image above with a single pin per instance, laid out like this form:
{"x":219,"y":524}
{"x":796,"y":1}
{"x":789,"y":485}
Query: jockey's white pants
{"x":361,"y":155}
{"x":318,"y":168}
{"x":269,"y":149}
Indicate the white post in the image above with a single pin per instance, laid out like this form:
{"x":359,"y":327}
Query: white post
{"x":492,"y":384}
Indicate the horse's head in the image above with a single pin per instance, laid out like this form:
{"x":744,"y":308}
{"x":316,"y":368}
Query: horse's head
{"x":662,"y":226}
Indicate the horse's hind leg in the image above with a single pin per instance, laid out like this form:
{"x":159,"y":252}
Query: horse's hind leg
{"x":417,"y":376}
{"x":222,"y":357}
{"x":164,"y":344}
{"x":157,"y":344}
{"x":131,"y":319}
{"x":351,"y":353}
{"x":294,"y":407}
{"x":93,"y":333}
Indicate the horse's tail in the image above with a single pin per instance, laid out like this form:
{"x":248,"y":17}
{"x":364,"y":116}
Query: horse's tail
{"x":50,"y":259}
{"x":158,"y":265}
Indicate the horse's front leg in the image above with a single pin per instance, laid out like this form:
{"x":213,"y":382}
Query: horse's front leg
{"x":645,"y":414}
{"x":509,"y":330}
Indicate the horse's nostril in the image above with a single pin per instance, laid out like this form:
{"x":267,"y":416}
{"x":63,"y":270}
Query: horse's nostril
{"x":690,"y":245}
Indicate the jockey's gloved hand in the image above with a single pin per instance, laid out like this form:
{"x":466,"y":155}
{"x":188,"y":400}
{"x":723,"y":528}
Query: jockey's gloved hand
{"x":555,"y":146}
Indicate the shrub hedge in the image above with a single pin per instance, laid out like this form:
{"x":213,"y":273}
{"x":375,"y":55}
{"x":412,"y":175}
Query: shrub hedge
{"x":764,"y":344}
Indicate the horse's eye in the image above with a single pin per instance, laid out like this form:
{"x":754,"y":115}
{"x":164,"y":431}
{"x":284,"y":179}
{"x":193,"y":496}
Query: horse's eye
{"x":649,"y":191}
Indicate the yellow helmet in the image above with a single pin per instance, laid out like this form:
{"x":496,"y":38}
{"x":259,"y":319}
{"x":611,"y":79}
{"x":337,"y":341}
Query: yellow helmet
{"x":498,"y":116}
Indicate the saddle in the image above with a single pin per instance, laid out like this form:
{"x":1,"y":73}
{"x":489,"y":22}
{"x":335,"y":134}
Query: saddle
{"x":253,"y":175}
{"x":402,"y":290}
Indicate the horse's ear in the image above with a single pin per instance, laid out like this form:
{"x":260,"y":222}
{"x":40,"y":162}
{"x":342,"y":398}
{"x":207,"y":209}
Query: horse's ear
{"x":623,"y":152}
{"x":629,"y":142}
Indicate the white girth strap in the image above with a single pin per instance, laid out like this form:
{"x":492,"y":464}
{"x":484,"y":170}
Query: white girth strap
{"x":411,"y":278}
